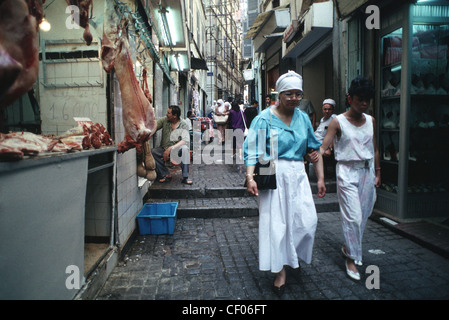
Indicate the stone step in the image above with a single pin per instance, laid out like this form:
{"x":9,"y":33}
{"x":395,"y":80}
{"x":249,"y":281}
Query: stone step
{"x":193,"y":192}
{"x":232,"y":207}
{"x":218,"y":191}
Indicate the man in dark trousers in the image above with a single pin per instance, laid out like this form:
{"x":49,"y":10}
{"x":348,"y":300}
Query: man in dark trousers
{"x":171,"y":122}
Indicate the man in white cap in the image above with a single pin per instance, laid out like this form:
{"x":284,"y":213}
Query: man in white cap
{"x":320,"y":132}
{"x":328,"y":115}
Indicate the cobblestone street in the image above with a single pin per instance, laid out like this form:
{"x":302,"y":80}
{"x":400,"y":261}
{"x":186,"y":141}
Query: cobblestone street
{"x":217,"y":259}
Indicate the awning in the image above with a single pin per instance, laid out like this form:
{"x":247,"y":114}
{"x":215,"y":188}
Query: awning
{"x":308,"y":41}
{"x":258,"y":24}
{"x":199,"y":64}
{"x":270,"y":39}
{"x":264,"y":17}
{"x":346,"y":7}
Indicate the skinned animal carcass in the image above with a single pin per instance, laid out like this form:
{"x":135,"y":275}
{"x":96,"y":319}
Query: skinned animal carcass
{"x":137,"y":111}
{"x":84,"y":6}
{"x":19,"y":49}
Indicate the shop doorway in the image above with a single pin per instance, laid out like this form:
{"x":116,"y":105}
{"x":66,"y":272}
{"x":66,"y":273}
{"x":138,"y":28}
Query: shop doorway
{"x":318,"y":78}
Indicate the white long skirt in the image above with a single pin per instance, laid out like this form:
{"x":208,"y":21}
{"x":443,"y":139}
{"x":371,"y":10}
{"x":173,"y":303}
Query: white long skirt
{"x":356,"y":196}
{"x":287,"y":219}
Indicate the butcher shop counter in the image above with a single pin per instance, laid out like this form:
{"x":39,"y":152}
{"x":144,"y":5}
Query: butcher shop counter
{"x":42,"y":222}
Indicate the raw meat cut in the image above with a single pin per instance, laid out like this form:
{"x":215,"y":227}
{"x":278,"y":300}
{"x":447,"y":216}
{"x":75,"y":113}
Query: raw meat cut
{"x":87,"y":136}
{"x":137,"y":111}
{"x":17,"y":144}
{"x":19,"y":51}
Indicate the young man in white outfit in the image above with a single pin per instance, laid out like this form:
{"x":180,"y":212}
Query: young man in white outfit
{"x":358,"y":170}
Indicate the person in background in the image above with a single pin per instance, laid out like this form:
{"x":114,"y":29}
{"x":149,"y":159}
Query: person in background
{"x":222,"y":109}
{"x":237,"y":122}
{"x":328,"y":115}
{"x":251,"y":112}
{"x":287,"y":214}
{"x":211,"y":113}
{"x":320,"y":132}
{"x":189,"y":119}
{"x":306,"y":106}
{"x":268,"y":101}
{"x":358,"y":169}
{"x":168,"y":124}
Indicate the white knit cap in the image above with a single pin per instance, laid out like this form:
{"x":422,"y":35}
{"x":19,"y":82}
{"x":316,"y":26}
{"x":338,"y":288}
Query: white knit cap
{"x":329,"y":101}
{"x":289,"y":81}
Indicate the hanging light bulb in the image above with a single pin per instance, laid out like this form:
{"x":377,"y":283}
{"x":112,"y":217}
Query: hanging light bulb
{"x":45,"y":25}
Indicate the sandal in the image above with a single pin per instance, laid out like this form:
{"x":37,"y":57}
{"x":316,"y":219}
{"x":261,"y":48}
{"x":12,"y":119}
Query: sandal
{"x":164,"y":179}
{"x":343,"y":252}
{"x":187,"y":181}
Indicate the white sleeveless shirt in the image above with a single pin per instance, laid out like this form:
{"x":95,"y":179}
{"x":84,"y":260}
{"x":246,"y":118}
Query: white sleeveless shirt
{"x":355,"y":143}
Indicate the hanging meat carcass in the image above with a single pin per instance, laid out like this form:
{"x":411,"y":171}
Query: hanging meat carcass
{"x":83,"y":7}
{"x":146,"y":165}
{"x":19,"y":51}
{"x":137,"y":111}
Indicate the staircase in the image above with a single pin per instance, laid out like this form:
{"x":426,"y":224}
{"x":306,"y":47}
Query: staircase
{"x":218,"y":192}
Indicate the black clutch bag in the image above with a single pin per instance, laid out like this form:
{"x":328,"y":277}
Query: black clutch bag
{"x":265,"y":180}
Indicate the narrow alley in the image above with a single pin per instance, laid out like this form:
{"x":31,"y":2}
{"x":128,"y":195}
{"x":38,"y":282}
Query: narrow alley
{"x":216,"y":258}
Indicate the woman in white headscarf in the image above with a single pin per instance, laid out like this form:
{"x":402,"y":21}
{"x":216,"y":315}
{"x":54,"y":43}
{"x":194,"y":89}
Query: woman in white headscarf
{"x":222,"y":109}
{"x":287,"y":214}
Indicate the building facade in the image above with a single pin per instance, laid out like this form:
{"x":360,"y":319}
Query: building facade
{"x":224,"y":48}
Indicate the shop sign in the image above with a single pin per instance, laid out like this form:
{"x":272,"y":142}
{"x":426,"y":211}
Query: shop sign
{"x":291,"y":30}
{"x":248,"y":75}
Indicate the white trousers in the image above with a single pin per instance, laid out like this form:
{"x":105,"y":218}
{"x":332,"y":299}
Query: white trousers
{"x":356,"y":196}
{"x":287,"y":219}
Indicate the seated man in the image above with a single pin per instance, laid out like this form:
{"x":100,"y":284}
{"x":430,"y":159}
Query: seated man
{"x":171,"y":122}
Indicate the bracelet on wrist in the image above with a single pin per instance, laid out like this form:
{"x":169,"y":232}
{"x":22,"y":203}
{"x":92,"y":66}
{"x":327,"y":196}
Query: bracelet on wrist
{"x":377,"y":169}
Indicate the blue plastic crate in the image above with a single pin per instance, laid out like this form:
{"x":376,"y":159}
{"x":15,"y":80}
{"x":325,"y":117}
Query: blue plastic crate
{"x":157,"y":218}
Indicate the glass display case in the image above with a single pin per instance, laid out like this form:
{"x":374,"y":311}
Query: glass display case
{"x":414,"y":84}
{"x":390,"y":94}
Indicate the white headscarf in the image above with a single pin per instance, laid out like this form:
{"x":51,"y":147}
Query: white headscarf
{"x":329,"y":101}
{"x":289,"y":81}
{"x":220,"y":105}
